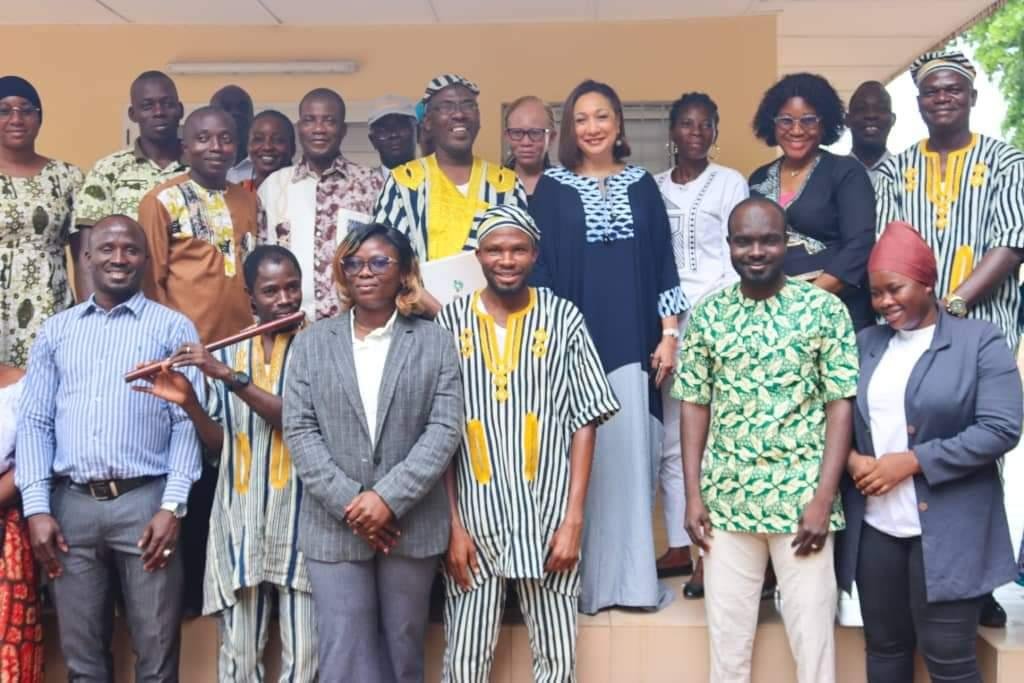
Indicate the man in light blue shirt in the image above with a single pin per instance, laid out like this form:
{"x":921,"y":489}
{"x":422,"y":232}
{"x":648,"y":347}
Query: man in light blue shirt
{"x":105,"y":471}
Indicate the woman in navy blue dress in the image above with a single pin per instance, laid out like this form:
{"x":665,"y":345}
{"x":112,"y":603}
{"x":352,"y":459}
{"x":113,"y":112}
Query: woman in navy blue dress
{"x":606,"y":246}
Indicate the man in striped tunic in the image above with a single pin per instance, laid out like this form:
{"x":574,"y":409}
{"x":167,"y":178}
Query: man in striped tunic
{"x":535,"y":392}
{"x":438,"y":201}
{"x":964,"y":192}
{"x":252,"y":558}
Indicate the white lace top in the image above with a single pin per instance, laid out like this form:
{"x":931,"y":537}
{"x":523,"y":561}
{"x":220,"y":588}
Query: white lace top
{"x":9,"y":397}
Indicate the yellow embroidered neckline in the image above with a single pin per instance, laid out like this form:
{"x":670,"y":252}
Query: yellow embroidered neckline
{"x":504,"y":362}
{"x":941,"y":189}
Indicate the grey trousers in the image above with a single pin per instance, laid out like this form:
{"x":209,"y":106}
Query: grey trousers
{"x":103,"y":537}
{"x":372,"y":618}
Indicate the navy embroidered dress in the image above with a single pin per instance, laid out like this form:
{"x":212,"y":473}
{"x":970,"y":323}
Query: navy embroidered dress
{"x":606,"y":246}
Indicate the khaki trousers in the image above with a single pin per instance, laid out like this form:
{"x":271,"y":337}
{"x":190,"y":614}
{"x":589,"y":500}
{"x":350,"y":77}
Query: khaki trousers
{"x":734,"y":574}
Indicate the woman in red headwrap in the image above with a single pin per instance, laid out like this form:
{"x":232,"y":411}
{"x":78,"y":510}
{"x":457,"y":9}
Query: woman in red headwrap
{"x":938,"y":404}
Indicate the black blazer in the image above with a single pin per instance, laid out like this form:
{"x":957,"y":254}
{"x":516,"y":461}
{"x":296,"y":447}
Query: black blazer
{"x":963,"y":408}
{"x":837,"y":208}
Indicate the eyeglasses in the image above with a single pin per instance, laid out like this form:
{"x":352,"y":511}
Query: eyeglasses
{"x":353,"y":265}
{"x":807,"y":122}
{"x":26,"y":112}
{"x":535,"y":134}
{"x":449,"y":107}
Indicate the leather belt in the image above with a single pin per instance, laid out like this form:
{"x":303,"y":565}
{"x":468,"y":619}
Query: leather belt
{"x":110,"y":489}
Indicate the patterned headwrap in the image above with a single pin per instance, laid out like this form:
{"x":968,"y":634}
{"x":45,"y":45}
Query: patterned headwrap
{"x":931,"y":62}
{"x":16,"y":86}
{"x":444,"y":80}
{"x":504,"y":216}
{"x":901,"y":249}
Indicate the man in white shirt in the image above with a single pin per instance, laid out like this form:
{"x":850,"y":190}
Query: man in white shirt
{"x":870,"y":118}
{"x":311,"y":206}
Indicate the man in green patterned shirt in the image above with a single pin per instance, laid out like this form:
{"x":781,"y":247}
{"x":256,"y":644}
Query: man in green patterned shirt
{"x":768,"y":366}
{"x":118,"y":182}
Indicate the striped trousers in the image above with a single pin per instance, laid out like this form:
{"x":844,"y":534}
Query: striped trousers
{"x":472,"y":620}
{"x":244,"y":628}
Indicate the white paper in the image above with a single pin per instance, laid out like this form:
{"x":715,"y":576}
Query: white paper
{"x":449,"y":278}
{"x":349,"y":220}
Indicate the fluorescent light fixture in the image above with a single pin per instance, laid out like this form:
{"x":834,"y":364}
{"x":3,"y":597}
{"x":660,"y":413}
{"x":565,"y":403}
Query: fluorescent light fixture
{"x":346,"y":66}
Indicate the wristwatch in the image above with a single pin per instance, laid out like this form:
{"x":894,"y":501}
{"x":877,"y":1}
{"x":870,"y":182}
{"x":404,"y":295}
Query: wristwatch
{"x":670,"y":332}
{"x":239,"y":380}
{"x":956,"y":305}
{"x":179,"y":510}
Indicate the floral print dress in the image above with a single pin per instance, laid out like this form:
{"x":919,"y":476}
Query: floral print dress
{"x":36,"y":214}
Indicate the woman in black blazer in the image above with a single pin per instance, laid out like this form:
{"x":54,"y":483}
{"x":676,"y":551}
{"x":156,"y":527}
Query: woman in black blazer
{"x":938,"y":404}
{"x":828,"y":199}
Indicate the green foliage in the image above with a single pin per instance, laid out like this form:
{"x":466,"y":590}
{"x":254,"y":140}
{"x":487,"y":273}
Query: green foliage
{"x":998,"y":44}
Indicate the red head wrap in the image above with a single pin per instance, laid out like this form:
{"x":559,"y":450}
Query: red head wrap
{"x":902,"y":250}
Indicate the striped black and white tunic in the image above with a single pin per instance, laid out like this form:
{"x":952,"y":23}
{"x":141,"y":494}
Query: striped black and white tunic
{"x":404,"y":202}
{"x":975,"y":206}
{"x":254,"y":523}
{"x":525,"y":398}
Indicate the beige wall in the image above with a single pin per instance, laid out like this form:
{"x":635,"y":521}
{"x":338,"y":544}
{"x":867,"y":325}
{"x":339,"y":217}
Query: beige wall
{"x":83,"y":72}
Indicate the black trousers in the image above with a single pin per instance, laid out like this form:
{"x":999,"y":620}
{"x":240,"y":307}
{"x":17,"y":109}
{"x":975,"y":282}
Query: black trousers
{"x":898,"y":617}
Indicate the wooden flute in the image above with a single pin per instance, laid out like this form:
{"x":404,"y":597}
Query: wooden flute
{"x":272,"y":326}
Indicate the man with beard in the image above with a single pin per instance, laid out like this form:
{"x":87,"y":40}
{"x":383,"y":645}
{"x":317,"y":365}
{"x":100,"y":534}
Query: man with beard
{"x":439,"y":200}
{"x":518,"y":485}
{"x":104,"y":472}
{"x":393,"y":131}
{"x":238,"y":104}
{"x":118,"y":182}
{"x":964,"y":192}
{"x":870,"y":118}
{"x":258,"y":496}
{"x":311,"y":206}
{"x":774,"y":360}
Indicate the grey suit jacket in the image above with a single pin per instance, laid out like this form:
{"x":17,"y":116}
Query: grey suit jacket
{"x":963,"y":409}
{"x":419,"y":426}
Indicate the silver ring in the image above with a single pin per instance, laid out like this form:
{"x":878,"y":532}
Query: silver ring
{"x":188,"y":349}
{"x":167,"y":552}
{"x":815,"y":547}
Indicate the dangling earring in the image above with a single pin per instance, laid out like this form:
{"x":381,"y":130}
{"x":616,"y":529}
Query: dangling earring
{"x":672,"y":148}
{"x":714,"y":151}
{"x":618,"y":142}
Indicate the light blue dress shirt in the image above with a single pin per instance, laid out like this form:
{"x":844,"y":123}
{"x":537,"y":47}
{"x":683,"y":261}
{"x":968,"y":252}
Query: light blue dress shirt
{"x":78,"y":418}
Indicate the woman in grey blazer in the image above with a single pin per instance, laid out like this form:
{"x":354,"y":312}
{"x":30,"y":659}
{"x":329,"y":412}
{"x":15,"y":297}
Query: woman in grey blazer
{"x":373,"y":412}
{"x":938,"y":404}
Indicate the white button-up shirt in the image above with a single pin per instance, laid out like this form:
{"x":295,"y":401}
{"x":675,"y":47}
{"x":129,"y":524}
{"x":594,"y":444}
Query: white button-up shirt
{"x":370,"y":355}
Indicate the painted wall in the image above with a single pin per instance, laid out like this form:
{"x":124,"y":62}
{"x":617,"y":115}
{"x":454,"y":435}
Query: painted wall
{"x":83,"y":72}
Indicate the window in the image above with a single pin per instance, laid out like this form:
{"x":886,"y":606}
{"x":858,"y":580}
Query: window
{"x":646,"y":129}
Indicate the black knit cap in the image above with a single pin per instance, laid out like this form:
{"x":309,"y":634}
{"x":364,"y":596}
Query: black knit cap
{"x":16,"y":86}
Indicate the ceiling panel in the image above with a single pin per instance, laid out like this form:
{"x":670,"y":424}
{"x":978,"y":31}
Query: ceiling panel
{"x":628,"y":10}
{"x":321,"y":12}
{"x":191,"y":11}
{"x":875,"y":18}
{"x":56,"y":12}
{"x":476,"y":12}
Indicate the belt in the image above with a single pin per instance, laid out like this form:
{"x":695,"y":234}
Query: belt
{"x":112,"y":488}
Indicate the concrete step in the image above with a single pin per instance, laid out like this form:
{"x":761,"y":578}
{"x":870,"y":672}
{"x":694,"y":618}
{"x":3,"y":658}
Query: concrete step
{"x":617,"y":646}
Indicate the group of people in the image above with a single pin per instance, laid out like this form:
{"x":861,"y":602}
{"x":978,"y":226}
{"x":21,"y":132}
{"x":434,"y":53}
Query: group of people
{"x":697,"y":330}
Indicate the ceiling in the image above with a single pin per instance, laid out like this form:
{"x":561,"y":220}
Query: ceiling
{"x":851,"y":40}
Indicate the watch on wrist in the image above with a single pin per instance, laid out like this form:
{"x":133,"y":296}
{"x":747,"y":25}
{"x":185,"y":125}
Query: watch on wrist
{"x":179,"y":510}
{"x":956,"y":305}
{"x":239,"y":380}
{"x":670,"y":332}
